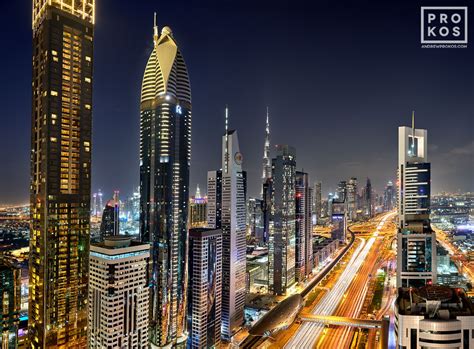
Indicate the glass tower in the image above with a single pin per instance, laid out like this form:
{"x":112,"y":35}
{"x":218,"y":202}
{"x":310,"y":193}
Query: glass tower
{"x":60,"y":172}
{"x":165,"y":153}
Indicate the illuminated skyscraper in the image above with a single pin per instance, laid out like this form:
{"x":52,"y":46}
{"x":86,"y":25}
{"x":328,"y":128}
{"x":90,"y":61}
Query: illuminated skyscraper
{"x":416,"y":247}
{"x":233,"y":234}
{"x":281,"y":252}
{"x":110,"y":225}
{"x":214,"y":199}
{"x":267,"y":162}
{"x":60,"y":172}
{"x":204,"y":288}
{"x":352,"y":198}
{"x":304,"y":228}
{"x":317,"y":204}
{"x":165,"y":155}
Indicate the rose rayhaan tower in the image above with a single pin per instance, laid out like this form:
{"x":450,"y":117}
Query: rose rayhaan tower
{"x":165,"y":154}
{"x":60,"y":179}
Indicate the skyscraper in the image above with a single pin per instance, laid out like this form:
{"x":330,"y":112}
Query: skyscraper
{"x":342,"y":191}
{"x":352,"y":198}
{"x":60,"y":172}
{"x":389,"y":197}
{"x":233,"y":234}
{"x":304,"y":231}
{"x":317,"y":204}
{"x":165,"y":154}
{"x":214,"y":199}
{"x":118,"y":294}
{"x":416,"y":247}
{"x":204,"y":288}
{"x":267,"y":162}
{"x":110,"y":225}
{"x":281,"y":252}
{"x":367,"y":199}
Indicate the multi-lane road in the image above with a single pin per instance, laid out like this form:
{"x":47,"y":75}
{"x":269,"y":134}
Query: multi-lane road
{"x":345,"y":297}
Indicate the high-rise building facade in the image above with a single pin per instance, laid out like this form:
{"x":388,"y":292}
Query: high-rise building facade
{"x":267,"y":162}
{"x":233,"y":235}
{"x":165,"y":155}
{"x":118,"y":294}
{"x":389,"y":197}
{"x":352,"y":199}
{"x":204,"y":288}
{"x":341,"y":192}
{"x":255,"y":220}
{"x":282,"y":240}
{"x":10,"y":296}
{"x":317,"y":203}
{"x":214,"y":199}
{"x":110,"y":225}
{"x":367,"y":199}
{"x":304,"y":227}
{"x":60,"y":172}
{"x":416,"y":241}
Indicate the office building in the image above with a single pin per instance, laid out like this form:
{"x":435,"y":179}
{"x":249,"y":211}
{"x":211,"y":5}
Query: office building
{"x":267,"y":162}
{"x":165,"y":155}
{"x":110,"y":225}
{"x":214,"y":199}
{"x":433,"y":317}
{"x":304,"y":227}
{"x":416,"y":247}
{"x":233,"y":234}
{"x":367,"y":200}
{"x":198,"y":210}
{"x":10,"y":292}
{"x":281,"y":255}
{"x":338,"y":220}
{"x":267,"y":209}
{"x":204,"y":288}
{"x":341,"y":192}
{"x":61,"y":141}
{"x":118,"y":294}
{"x":255,"y":221}
{"x":352,"y":199}
{"x":389,"y":197}
{"x":317,"y":203}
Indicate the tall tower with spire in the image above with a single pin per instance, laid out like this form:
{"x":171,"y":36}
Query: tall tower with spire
{"x":267,"y":162}
{"x":165,"y":154}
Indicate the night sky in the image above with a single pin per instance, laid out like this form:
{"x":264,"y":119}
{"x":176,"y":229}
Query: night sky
{"x":339,"y":77}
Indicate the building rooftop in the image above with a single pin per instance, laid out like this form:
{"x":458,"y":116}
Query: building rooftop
{"x":434,"y":302}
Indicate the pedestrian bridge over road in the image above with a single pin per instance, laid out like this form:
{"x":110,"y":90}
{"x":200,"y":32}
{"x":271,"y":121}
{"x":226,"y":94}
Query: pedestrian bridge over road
{"x":341,"y":321}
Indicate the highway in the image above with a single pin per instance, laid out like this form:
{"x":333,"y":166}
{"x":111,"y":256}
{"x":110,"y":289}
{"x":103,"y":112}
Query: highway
{"x":348,"y":294}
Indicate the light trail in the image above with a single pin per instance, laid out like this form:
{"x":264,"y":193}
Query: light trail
{"x":308,"y":333}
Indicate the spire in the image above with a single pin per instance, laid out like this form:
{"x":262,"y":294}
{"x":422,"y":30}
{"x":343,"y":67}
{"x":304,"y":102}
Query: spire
{"x":198,"y":192}
{"x":413,"y":123}
{"x":155,"y":29}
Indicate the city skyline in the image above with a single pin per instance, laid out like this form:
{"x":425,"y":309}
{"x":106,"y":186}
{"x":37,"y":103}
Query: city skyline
{"x":407,"y":79}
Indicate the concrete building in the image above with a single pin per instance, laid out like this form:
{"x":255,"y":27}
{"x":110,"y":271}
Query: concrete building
{"x":10,"y":297}
{"x":214,"y":199}
{"x":118,"y":294}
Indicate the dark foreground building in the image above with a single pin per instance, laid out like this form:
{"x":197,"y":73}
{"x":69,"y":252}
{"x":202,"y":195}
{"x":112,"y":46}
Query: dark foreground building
{"x":60,"y":172}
